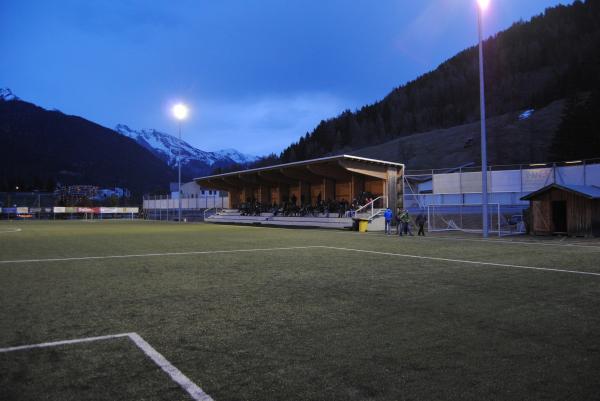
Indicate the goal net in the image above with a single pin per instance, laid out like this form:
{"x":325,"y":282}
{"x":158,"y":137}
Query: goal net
{"x":502,"y":219}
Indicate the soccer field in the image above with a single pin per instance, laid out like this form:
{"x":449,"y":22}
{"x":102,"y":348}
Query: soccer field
{"x":199,"y":311}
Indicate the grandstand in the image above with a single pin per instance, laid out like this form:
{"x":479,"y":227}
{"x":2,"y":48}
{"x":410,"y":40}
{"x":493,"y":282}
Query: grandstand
{"x":327,"y":192}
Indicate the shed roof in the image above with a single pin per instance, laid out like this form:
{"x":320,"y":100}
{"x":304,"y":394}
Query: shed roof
{"x":587,"y":191}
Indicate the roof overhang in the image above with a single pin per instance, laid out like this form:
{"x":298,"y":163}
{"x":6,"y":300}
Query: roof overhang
{"x":333,"y":167}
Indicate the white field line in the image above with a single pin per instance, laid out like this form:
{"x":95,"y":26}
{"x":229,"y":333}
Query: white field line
{"x":196,"y":392}
{"x":488,"y":241}
{"x":66,"y":342}
{"x":512,"y":242}
{"x":175,"y":374}
{"x":147,"y":255}
{"x":10,"y":230}
{"x":373,"y":235}
{"x":470,"y":262}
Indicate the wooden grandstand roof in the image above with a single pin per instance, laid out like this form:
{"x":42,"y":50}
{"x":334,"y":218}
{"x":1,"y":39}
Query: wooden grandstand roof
{"x":339,"y":167}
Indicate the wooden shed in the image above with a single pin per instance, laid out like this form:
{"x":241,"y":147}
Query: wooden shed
{"x":572,"y":210}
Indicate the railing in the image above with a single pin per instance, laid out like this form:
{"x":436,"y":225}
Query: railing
{"x":206,"y":211}
{"x":506,"y":184}
{"x":369,"y":209}
{"x":469,"y":168}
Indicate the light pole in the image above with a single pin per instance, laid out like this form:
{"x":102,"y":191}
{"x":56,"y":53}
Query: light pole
{"x":180,"y":111}
{"x":483,"y":5}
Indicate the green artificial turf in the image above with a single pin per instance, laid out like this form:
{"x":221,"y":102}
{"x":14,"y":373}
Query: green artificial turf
{"x":296,"y":324}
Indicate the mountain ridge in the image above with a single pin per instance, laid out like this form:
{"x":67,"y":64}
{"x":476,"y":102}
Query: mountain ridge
{"x":553,"y":56}
{"x":194,"y":162}
{"x":41,"y":148}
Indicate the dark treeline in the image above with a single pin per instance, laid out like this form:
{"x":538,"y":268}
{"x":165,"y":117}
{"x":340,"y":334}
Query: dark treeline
{"x":41,"y":148}
{"x":578,"y":136}
{"x":555,"y":55}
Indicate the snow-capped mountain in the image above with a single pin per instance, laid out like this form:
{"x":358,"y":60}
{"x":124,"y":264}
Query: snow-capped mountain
{"x":194,"y":161}
{"x":236,"y":156}
{"x":7,"y":95}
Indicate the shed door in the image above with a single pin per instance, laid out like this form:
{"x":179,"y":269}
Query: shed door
{"x":559,"y":216}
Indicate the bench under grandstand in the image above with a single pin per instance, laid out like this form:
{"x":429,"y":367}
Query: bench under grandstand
{"x":234,"y":216}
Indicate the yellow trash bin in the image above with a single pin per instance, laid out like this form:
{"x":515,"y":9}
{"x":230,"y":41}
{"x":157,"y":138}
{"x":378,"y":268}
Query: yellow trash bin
{"x":363,"y":225}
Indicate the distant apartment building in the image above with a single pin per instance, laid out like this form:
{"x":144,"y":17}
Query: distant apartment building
{"x":191,"y":190}
{"x":76,"y":194}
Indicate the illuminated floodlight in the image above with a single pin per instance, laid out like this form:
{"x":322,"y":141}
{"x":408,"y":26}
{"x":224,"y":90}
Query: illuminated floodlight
{"x":180,"y":111}
{"x":483,"y":4}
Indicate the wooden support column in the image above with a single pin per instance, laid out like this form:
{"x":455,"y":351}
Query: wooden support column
{"x":234,"y":198}
{"x":304,"y":189}
{"x":390,"y":190}
{"x":357,"y":186}
{"x":264,"y":194}
{"x":328,"y":189}
{"x":283,"y":191}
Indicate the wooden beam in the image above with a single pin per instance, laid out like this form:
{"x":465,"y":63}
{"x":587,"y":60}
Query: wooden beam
{"x":301,"y":174}
{"x":364,"y":169}
{"x":234,"y":182}
{"x":277,"y":178}
{"x":330,"y":170}
{"x":215,"y":183}
{"x":252,"y":180}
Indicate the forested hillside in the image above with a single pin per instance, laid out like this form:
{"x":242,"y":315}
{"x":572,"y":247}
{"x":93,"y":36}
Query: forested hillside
{"x":554,"y":56}
{"x":40,"y":148}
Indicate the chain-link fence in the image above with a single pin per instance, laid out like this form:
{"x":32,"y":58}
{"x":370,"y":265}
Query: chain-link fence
{"x":193,"y":208}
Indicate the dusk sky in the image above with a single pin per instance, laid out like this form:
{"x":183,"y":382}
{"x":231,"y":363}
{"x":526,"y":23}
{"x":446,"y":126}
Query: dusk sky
{"x":256,"y":74}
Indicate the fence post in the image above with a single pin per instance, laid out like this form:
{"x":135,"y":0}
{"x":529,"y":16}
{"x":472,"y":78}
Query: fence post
{"x":521,"y":178}
{"x":499,"y":220}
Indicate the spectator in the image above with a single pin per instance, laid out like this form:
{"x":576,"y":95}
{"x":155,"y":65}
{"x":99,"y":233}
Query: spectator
{"x":388,"y":221}
{"x":421,"y":220}
{"x":405,"y":220}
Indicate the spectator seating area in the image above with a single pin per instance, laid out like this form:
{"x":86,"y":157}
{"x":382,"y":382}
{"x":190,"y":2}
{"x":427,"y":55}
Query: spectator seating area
{"x":325,"y":214}
{"x":235,"y":216}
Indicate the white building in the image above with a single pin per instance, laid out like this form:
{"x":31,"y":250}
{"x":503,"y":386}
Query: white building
{"x":191,"y":190}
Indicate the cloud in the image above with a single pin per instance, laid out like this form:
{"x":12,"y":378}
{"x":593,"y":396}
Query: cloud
{"x":261,"y":125}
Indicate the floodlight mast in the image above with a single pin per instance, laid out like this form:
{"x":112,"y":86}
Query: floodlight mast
{"x":483,"y":5}
{"x":180,"y":111}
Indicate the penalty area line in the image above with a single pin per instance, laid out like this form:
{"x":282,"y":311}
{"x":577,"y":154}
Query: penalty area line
{"x":10,"y":230}
{"x":147,"y":255}
{"x":469,"y":262}
{"x":175,"y":374}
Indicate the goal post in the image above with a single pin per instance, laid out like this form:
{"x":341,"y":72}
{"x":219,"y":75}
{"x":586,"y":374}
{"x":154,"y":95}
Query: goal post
{"x":503,"y":219}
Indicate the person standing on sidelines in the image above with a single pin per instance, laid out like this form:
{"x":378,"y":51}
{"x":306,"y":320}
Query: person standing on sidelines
{"x":388,"y":221}
{"x":421,"y":220}
{"x":405,"y":221}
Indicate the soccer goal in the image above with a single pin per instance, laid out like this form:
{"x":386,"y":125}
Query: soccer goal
{"x":503,"y":220}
